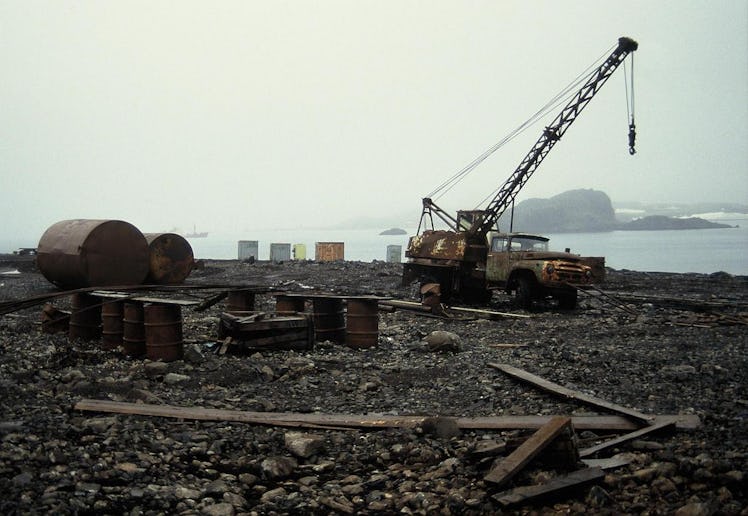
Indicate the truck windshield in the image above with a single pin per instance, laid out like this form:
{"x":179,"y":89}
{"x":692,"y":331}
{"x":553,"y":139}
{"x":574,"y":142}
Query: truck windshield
{"x":518,"y":244}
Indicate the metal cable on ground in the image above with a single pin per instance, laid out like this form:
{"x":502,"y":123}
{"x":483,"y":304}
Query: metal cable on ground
{"x":606,"y":299}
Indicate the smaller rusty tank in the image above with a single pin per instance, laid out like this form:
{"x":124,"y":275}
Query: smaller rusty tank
{"x":171,"y":258}
{"x":90,"y":253}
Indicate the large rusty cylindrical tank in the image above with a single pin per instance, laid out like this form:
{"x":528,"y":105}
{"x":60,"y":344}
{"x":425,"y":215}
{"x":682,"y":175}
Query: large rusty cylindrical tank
{"x":171,"y":258}
{"x":90,"y":253}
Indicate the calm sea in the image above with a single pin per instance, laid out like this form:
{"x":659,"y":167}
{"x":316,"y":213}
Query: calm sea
{"x":694,"y":250}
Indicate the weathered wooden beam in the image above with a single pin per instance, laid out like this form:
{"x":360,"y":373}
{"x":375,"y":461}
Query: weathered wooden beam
{"x":490,"y":314}
{"x":518,"y":459}
{"x":105,"y":294}
{"x":606,"y":464}
{"x":663,"y":423}
{"x":601,"y":423}
{"x":418,"y":307}
{"x":555,"y":388}
{"x":552,"y":488}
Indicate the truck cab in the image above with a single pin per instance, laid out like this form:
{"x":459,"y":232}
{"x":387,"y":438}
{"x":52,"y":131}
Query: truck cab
{"x":521,"y":263}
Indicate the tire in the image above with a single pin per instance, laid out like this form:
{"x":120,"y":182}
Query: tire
{"x":525,"y":293}
{"x":567,"y":300}
{"x":476,"y":295}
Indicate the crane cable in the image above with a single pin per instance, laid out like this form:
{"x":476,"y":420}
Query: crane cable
{"x":562,"y":96}
{"x":630,"y":107}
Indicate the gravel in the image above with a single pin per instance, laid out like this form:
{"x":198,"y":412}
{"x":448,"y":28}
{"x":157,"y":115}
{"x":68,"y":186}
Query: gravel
{"x":678,"y":347}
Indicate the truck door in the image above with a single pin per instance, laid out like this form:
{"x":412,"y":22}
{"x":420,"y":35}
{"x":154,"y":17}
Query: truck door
{"x":497,"y":263}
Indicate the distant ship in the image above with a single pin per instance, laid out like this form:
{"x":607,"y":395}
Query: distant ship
{"x":195,"y":234}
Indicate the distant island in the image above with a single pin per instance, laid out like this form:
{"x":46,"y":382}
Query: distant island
{"x":585,"y":211}
{"x":394,"y":231}
{"x":657,"y":222}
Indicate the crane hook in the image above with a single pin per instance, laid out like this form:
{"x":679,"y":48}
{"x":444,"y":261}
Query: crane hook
{"x":632,"y":137}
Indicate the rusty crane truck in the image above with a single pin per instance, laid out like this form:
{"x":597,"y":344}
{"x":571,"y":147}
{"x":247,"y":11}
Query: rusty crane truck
{"x":469,"y":260}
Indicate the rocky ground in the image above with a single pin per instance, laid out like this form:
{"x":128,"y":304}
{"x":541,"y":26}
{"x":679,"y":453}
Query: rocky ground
{"x":676,"y":346}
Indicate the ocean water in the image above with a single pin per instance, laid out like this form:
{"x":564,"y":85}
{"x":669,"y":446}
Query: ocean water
{"x":693,"y":250}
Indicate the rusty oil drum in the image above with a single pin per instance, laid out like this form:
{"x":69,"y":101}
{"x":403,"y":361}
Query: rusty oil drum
{"x":288,"y":305}
{"x":133,"y":331}
{"x":89,"y":253}
{"x":362,"y":323}
{"x":85,"y":317}
{"x":329,"y":319}
{"x":240,"y":301}
{"x":112,"y":326}
{"x":170,"y":258}
{"x":163,"y":332}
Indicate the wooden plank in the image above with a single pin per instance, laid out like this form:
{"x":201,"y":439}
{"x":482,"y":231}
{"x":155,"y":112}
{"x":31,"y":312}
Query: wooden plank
{"x":491,"y":314}
{"x":145,"y":299}
{"x":664,"y":423}
{"x":418,"y":307}
{"x":612,"y":423}
{"x":554,"y":388}
{"x":554,"y":487}
{"x":407,"y":305}
{"x":606,"y":464}
{"x":518,"y":459}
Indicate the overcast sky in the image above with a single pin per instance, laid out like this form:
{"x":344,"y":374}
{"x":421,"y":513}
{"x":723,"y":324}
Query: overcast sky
{"x":253,"y":114}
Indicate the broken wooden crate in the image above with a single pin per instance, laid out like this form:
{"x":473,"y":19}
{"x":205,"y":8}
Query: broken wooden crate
{"x":267,"y":331}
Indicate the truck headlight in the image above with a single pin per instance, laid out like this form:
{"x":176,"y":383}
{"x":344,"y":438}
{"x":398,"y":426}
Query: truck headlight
{"x":550,"y":268}
{"x":588,"y":274}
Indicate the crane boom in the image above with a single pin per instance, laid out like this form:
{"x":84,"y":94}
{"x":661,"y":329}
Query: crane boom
{"x":483,"y":223}
{"x":459,"y":259}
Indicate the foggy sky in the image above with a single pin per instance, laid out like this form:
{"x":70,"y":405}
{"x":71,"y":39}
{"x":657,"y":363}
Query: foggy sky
{"x":254,"y":114}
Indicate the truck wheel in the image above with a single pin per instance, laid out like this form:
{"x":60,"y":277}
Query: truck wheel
{"x":568,"y":300}
{"x":525,"y":293}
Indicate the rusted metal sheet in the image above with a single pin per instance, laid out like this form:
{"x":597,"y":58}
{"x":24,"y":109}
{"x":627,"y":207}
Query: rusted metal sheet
{"x":443,"y":245}
{"x":329,"y":251}
{"x":170,"y":258}
{"x":87,"y":253}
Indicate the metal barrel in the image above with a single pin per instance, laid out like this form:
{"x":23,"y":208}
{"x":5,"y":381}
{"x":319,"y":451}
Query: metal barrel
{"x":133,"y":336}
{"x":163,"y":332}
{"x":85,"y":317}
{"x":329,"y":251}
{"x":112,"y":325}
{"x":362,"y":323}
{"x":329,"y":319}
{"x":240,"y":301}
{"x":170,"y":258}
{"x":288,"y":304}
{"x":88,"y":253}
